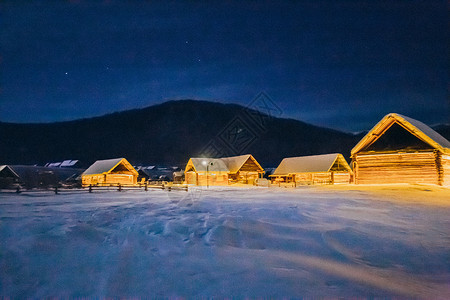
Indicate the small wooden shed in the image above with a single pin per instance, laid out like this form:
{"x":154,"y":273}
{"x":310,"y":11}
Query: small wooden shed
{"x":110,"y":172}
{"x":401,"y":150}
{"x":314,"y":169}
{"x":7,"y":177}
{"x":243,"y":169}
{"x":206,"y":171}
{"x":223,"y":171}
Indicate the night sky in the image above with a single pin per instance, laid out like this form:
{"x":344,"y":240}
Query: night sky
{"x":339,"y":64}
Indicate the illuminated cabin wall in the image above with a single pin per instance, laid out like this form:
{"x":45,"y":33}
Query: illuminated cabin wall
{"x":108,"y":179}
{"x":314,"y":178}
{"x":190,"y":177}
{"x":445,"y":170}
{"x":244,"y":177}
{"x":338,"y":173}
{"x":322,"y":178}
{"x":396,"y":168}
{"x":203,"y":179}
{"x":341,"y":177}
{"x":248,"y":173}
{"x":120,"y":178}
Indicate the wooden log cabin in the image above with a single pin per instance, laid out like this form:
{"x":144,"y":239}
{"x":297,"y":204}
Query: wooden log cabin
{"x":401,"y":150}
{"x":206,"y":171}
{"x":8,"y":177}
{"x":223,"y":171}
{"x":314,"y":169}
{"x":110,"y":172}
{"x":243,"y":169}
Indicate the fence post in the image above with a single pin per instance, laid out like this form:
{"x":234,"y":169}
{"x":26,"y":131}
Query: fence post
{"x":146,"y":186}
{"x":120,"y":187}
{"x":56,"y":190}
{"x":90,"y":188}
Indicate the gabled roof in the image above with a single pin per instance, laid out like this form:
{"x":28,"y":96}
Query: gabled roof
{"x":107,"y":165}
{"x":6,"y":168}
{"x":201,"y":163}
{"x":310,"y":164}
{"x":416,"y":128}
{"x":230,"y":164}
{"x":235,"y":163}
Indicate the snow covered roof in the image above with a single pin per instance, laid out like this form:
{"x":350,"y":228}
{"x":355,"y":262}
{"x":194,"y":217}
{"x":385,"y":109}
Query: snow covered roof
{"x":417,"y":128}
{"x":107,"y":165}
{"x":230,"y":164}
{"x":234,"y":163}
{"x":7,"y":169}
{"x":215,"y":164}
{"x":310,"y":164}
{"x":69,"y":163}
{"x":65,"y":163}
{"x":428,"y":131}
{"x":53,"y":165}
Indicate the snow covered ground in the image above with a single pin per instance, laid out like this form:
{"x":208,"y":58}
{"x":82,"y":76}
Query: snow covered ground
{"x":222,"y":242}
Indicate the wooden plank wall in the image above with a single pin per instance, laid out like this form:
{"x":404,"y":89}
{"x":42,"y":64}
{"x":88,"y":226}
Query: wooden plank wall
{"x":190,"y":177}
{"x":313,"y":178}
{"x":445,"y":162}
{"x":244,"y":177}
{"x":120,"y":178}
{"x":341,"y":177}
{"x":396,"y":168}
{"x":87,"y":180}
{"x":213,"y":178}
{"x":101,"y":179}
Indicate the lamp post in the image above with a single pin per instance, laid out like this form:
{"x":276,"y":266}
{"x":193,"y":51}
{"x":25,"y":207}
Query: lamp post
{"x":207,"y":164}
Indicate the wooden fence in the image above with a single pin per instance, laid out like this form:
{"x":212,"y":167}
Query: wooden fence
{"x":99,"y":188}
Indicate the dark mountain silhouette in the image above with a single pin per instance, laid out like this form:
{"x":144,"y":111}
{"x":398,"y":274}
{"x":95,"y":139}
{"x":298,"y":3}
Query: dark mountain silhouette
{"x":443,"y":129}
{"x":168,"y":134}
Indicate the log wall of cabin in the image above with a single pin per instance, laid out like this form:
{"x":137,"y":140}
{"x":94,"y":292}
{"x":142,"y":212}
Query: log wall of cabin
{"x":395,"y":168}
{"x":108,"y":179}
{"x":190,"y":177}
{"x":7,"y":182}
{"x":91,"y":179}
{"x":124,"y":179}
{"x":445,"y":162}
{"x":341,"y":177}
{"x":244,"y":177}
{"x":313,"y":178}
{"x":203,"y":179}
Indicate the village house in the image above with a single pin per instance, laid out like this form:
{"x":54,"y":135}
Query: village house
{"x":401,"y":150}
{"x":110,"y":172}
{"x":8,"y":177}
{"x":314,"y":169}
{"x":223,"y":171}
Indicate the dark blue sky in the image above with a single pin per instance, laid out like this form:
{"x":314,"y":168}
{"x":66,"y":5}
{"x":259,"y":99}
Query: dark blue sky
{"x":340,"y":64}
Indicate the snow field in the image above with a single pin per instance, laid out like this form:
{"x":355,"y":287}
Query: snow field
{"x":222,"y":242}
